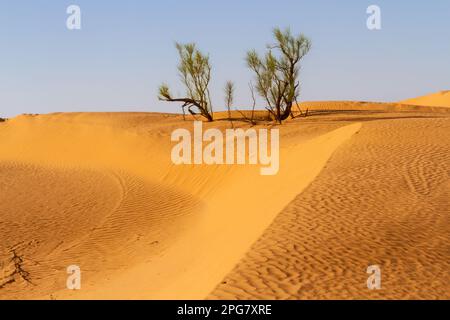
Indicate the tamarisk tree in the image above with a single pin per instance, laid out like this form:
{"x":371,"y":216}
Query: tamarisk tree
{"x":195,"y":73}
{"x":277,"y":74}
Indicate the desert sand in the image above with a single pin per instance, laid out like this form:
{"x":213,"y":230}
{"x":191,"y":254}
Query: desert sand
{"x":359,"y":184}
{"x":439,"y":99}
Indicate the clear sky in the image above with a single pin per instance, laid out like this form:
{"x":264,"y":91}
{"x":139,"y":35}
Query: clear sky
{"x":125,"y":49}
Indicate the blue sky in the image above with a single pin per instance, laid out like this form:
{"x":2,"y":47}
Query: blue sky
{"x":125,"y":49}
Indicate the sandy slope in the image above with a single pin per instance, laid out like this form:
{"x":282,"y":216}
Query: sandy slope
{"x":439,"y":99}
{"x":100,"y":191}
{"x":67,"y":198}
{"x":384,"y":199}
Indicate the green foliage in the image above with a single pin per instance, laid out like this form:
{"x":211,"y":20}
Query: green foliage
{"x":164,"y":92}
{"x":277,"y":73}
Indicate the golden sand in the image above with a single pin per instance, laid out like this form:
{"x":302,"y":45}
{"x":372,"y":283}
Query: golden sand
{"x":357,"y":185}
{"x":440,"y":99}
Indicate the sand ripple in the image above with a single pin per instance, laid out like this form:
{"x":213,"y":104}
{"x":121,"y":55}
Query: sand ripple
{"x":383,"y":199}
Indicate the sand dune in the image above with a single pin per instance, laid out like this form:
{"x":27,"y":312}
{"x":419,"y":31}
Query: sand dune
{"x":100,"y":191}
{"x":440,"y":99}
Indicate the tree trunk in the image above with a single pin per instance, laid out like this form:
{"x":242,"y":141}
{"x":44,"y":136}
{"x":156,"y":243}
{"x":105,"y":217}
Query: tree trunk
{"x":287,"y":112}
{"x":208,"y":116}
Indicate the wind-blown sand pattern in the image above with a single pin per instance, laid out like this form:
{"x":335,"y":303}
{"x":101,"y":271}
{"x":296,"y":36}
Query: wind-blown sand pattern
{"x":384,"y":199}
{"x":100,"y":191}
{"x":138,"y":226}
